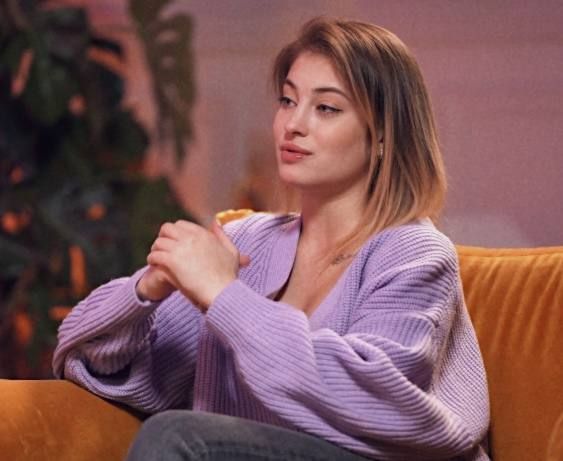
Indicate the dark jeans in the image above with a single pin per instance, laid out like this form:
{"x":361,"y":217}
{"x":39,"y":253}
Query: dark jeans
{"x":189,"y":436}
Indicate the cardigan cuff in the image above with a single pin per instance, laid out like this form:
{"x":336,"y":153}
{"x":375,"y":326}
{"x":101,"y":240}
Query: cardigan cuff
{"x":239,"y":314}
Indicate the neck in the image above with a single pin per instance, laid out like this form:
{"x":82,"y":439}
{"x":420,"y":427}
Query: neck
{"x":326,"y":221}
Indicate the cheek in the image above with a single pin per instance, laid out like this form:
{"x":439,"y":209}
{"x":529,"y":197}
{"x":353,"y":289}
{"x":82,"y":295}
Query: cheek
{"x":278,"y":125}
{"x":354,"y":143}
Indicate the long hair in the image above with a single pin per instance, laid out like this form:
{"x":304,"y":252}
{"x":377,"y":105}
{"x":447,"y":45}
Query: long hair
{"x":408,"y":181}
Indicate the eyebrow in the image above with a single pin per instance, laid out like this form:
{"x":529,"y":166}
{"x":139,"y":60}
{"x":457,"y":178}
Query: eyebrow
{"x":322,"y":89}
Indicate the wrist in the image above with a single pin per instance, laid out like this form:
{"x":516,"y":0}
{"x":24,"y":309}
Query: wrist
{"x":141,"y":292}
{"x":214,"y":291}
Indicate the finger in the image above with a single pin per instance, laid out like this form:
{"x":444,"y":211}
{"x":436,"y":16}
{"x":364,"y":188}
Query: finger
{"x":187,"y":226}
{"x":169,"y":230}
{"x":223,"y":238}
{"x":159,"y":258}
{"x":162,"y":273}
{"x":217,"y":229}
{"x":166,"y":275}
{"x":163,"y":243}
{"x":244,"y":260}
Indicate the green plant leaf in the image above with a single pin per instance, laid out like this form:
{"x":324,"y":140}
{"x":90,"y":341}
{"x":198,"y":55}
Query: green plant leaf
{"x":17,"y":142}
{"x":11,"y":54}
{"x":125,"y":138}
{"x":144,"y":11}
{"x":103,"y":90}
{"x":74,"y":154}
{"x":166,"y":41}
{"x":49,"y":87}
{"x":66,"y":32}
{"x":15,"y":258}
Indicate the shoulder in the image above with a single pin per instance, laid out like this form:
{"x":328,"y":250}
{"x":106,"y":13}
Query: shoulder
{"x":412,"y":267}
{"x":258,"y":226}
{"x":418,"y":244}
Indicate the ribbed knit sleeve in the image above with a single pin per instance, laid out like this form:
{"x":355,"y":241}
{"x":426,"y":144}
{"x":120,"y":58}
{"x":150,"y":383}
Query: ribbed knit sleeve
{"x":370,"y":388}
{"x":140,"y":353}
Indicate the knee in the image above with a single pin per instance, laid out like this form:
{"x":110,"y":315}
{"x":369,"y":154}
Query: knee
{"x":163,"y":422}
{"x":167,"y":435}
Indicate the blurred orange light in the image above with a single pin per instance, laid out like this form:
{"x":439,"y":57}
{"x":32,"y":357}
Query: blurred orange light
{"x":96,"y":212}
{"x":22,"y":74}
{"x":58,"y":313}
{"x":77,"y":104}
{"x":23,"y":328}
{"x":77,"y":270}
{"x":10,"y":222}
{"x":16,"y":176}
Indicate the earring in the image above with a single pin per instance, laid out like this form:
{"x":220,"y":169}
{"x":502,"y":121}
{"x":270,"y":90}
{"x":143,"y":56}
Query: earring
{"x":380,"y":153}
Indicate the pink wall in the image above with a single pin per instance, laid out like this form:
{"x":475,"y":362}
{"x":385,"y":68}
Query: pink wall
{"x":494,"y":70}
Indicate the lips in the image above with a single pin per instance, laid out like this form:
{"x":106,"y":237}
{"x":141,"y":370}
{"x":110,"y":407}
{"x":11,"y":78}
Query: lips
{"x":290,"y":153}
{"x":293,"y":149}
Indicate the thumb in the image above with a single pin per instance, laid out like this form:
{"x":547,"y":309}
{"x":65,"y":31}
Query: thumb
{"x":244,"y":260}
{"x":223,"y":238}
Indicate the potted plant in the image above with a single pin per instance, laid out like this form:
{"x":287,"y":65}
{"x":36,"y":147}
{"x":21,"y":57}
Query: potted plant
{"x":75,"y":208}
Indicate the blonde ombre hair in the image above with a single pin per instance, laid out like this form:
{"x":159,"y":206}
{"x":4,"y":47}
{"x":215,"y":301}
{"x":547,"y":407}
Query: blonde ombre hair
{"x":408,"y":181}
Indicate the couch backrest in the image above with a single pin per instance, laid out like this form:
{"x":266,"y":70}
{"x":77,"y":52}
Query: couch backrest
{"x":515,"y":299}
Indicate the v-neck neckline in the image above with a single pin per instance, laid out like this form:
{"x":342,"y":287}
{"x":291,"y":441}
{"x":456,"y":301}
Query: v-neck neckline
{"x":283,"y":258}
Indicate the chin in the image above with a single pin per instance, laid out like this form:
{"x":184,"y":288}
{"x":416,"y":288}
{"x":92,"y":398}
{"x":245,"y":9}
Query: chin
{"x":298,"y":177}
{"x":291,"y":178}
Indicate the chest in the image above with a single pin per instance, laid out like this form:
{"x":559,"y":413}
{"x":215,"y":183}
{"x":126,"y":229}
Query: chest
{"x":308,"y":286}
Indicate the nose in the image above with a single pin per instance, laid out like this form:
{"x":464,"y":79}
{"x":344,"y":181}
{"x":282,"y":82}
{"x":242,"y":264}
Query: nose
{"x":296,"y":123}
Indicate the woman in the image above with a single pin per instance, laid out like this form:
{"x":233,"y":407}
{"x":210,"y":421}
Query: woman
{"x":341,"y":333}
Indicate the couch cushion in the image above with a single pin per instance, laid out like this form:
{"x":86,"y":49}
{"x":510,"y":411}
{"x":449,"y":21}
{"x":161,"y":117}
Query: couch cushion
{"x":515,"y":298}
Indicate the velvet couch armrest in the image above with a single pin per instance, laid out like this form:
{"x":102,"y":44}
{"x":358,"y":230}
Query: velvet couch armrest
{"x":555,"y":446}
{"x":57,"y":420}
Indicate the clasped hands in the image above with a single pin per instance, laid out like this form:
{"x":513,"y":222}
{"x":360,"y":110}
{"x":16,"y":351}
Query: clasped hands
{"x":198,"y":262}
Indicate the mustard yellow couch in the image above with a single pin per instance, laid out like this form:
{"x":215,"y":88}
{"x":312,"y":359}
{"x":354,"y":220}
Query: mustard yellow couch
{"x":515,"y":298}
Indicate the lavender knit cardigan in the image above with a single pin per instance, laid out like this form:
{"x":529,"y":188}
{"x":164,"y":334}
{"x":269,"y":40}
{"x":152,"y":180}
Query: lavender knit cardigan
{"x":392,"y":371}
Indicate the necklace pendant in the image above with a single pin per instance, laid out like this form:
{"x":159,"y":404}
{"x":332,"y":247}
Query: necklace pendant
{"x":340,"y":258}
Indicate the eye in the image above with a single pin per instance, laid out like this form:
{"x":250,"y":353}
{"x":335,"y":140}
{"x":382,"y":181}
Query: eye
{"x":326,"y":109}
{"x":285,"y":101}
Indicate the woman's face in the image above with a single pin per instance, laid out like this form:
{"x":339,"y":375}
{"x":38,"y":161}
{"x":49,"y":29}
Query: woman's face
{"x":321,"y":139}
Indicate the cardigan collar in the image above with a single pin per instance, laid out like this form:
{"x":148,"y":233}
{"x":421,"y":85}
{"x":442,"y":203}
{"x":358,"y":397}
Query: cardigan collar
{"x":283,"y":255}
